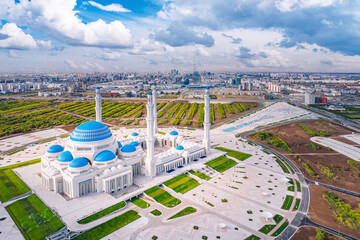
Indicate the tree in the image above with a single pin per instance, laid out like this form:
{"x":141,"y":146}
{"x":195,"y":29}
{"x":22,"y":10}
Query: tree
{"x":320,"y":234}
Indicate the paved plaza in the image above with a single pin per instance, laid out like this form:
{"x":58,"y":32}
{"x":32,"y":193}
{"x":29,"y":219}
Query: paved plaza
{"x":19,"y":141}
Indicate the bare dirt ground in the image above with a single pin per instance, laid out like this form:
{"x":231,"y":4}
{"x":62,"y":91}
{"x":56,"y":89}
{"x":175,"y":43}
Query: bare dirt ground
{"x":309,"y":233}
{"x":346,"y":176}
{"x":321,"y":213}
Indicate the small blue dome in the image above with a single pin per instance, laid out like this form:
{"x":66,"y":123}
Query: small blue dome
{"x":65,"y":157}
{"x":55,"y":149}
{"x":78,"y":162}
{"x":90,"y":131}
{"x":97,"y":87}
{"x":105,"y":156}
{"x":174,"y":133}
{"x":134,"y":143}
{"x":134,"y":134}
{"x":149,"y":93}
{"x":119,"y":144}
{"x":128,"y":148}
{"x":179,"y":147}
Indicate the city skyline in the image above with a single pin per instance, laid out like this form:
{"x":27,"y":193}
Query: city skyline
{"x":159,"y":35}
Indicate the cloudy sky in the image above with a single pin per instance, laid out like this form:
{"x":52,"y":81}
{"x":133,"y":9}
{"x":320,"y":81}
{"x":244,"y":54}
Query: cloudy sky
{"x":159,"y":35}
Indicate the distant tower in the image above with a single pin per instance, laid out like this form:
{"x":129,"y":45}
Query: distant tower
{"x":98,"y":105}
{"x":207,"y":123}
{"x":150,"y":140}
{"x":154,"y":99}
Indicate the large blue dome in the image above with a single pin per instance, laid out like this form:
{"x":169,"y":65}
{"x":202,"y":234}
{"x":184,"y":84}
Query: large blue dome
{"x":55,"y":149}
{"x":65,"y":157}
{"x":174,"y":133}
{"x":134,"y":134}
{"x":134,"y":143}
{"x":105,"y":156}
{"x":128,"y":148}
{"x":78,"y":162}
{"x":90,"y":132}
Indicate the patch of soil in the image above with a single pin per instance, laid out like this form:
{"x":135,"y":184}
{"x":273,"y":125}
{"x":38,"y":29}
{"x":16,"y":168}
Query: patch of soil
{"x":347,"y":176}
{"x":309,"y":233}
{"x":321,"y":213}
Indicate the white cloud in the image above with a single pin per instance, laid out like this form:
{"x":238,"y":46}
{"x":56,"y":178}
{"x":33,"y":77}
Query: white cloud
{"x":44,"y":44}
{"x":89,"y":67}
{"x":13,"y":54}
{"x":59,"y":19}
{"x":111,"y":8}
{"x":13,"y":37}
{"x":202,"y":52}
{"x":289,"y":5}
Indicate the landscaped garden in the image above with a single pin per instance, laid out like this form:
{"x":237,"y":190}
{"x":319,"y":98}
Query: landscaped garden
{"x":110,"y":226}
{"x":33,"y":218}
{"x":102,"y":213}
{"x":221,"y":163}
{"x":140,"y":203}
{"x":200,"y":175}
{"x":235,"y":154}
{"x":156,"y":212}
{"x":182,"y":183}
{"x":162,"y":197}
{"x":287,"y":203}
{"x":184,"y":212}
{"x":269,"y":227}
{"x":11,"y":185}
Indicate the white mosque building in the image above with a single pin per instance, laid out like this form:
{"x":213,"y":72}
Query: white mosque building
{"x":93,"y":160}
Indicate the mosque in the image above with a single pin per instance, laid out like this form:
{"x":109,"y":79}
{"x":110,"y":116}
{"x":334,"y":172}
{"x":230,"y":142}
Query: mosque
{"x":93,"y":160}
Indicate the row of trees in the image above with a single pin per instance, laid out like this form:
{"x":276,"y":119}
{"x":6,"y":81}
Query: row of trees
{"x":312,"y":132}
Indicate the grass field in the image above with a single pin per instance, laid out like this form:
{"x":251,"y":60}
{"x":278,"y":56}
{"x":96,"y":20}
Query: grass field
{"x":140,"y":203}
{"x":235,"y":154}
{"x":252,"y":237}
{"x":102,"y":213}
{"x":33,"y":218}
{"x":182,"y":183}
{"x":162,"y":197}
{"x":297,"y":204}
{"x":280,"y":229}
{"x":200,"y":175}
{"x":267,"y":228}
{"x":184,"y":212}
{"x":156,"y":212}
{"x":11,"y":185}
{"x":110,"y":226}
{"x":287,"y":203}
{"x":282,"y":165}
{"x":221,"y":163}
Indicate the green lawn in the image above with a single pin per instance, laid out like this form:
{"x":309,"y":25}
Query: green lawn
{"x":182,"y":183}
{"x":252,"y":237}
{"x":298,"y":186}
{"x":33,"y":218}
{"x":11,"y":186}
{"x":156,"y":212}
{"x":162,"y":197}
{"x":22,"y":164}
{"x":287,"y":203}
{"x":283,"y":167}
{"x":110,"y":226}
{"x":200,"y":175}
{"x":280,"y":229}
{"x":232,"y":153}
{"x":297,"y":204}
{"x":277,"y":218}
{"x":267,"y":228}
{"x":221,"y":163}
{"x":184,"y":212}
{"x":140,"y":203}
{"x":102,"y":213}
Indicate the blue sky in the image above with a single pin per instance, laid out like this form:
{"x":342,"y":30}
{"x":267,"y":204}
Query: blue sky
{"x":159,"y":35}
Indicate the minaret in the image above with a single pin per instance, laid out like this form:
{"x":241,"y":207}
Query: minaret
{"x":207,"y":123}
{"x":154,"y":99}
{"x":150,"y":140}
{"x":98,"y":105}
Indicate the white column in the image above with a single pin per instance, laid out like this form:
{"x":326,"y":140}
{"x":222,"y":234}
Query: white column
{"x":98,"y":105}
{"x":154,"y":100}
{"x":150,"y":140}
{"x":206,"y":141}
